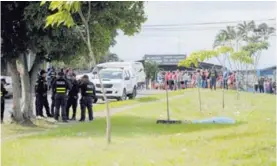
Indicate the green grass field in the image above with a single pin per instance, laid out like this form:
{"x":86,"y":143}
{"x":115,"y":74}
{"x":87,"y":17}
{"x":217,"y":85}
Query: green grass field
{"x":117,"y":104}
{"x":138,"y":141}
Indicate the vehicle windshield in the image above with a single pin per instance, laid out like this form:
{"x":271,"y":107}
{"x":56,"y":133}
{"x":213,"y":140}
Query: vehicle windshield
{"x":110,"y":74}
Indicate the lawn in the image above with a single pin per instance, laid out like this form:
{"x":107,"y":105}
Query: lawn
{"x":138,"y":141}
{"x":117,"y":104}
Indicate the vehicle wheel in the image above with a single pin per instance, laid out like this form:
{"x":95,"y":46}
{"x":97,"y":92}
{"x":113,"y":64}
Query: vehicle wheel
{"x":95,"y":100}
{"x":134,"y":94}
{"x":123,"y":97}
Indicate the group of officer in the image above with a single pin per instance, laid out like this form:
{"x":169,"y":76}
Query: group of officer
{"x":65,"y":90}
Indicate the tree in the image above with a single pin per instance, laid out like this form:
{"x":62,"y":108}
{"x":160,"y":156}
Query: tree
{"x":200,"y":56}
{"x":29,"y":40}
{"x":106,"y":16}
{"x":151,"y":69}
{"x":12,"y":45}
{"x":240,"y":59}
{"x":255,"y":40}
{"x":109,"y":57}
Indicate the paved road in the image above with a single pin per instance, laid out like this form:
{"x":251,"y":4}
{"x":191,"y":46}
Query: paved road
{"x":8,"y":102}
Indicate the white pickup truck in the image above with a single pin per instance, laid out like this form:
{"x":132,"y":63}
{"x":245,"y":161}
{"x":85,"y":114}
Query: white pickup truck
{"x":117,"y":83}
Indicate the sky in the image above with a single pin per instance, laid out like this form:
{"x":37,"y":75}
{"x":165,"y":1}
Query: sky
{"x":189,"y":38}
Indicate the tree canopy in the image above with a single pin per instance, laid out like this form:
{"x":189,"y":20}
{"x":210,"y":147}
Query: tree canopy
{"x":151,"y":69}
{"x":96,"y":22}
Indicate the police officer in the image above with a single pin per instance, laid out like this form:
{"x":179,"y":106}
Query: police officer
{"x":3,"y":93}
{"x":73,"y":97}
{"x":41,"y":95}
{"x":53,"y":94}
{"x":88,"y":93}
{"x":60,"y":88}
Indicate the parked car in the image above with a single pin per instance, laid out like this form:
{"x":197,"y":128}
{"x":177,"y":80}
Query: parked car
{"x":117,"y":84}
{"x":136,"y":70}
{"x":79,"y":76}
{"x":8,"y":86}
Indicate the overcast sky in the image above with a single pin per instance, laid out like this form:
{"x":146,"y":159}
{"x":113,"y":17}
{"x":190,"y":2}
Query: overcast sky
{"x":187,"y":39}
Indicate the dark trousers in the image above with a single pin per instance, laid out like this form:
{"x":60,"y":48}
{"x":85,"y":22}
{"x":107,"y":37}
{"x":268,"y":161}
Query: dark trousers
{"x":225,"y":84}
{"x":2,"y":109}
{"x":256,"y":87}
{"x":213,"y":83}
{"x":261,"y":88}
{"x":86,"y":102}
{"x":72,"y":101}
{"x":186,"y":83}
{"x":41,"y":101}
{"x":53,"y":105}
{"x":60,"y":102}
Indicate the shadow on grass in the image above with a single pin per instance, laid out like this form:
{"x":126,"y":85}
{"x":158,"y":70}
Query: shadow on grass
{"x":18,"y":129}
{"x":129,"y":126}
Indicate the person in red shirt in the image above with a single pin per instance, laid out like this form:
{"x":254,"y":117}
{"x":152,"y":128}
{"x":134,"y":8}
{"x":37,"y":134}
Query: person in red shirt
{"x":170,"y":80}
{"x":167,"y":79}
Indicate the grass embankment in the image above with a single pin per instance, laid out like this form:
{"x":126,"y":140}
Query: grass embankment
{"x":137,"y":140}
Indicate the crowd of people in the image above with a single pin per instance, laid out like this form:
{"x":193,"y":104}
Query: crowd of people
{"x":265,"y":85}
{"x":212,"y":78}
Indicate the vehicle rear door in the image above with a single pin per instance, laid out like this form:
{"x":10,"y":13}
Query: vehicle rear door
{"x":128,"y":82}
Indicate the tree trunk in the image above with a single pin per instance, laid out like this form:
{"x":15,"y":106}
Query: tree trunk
{"x":88,"y":43}
{"x":17,"y":115}
{"x":108,"y":116}
{"x":33,"y":77}
{"x":223,"y":95}
{"x":27,"y":104}
{"x":238,"y":84}
{"x":199,"y":98}
{"x":238,"y":76}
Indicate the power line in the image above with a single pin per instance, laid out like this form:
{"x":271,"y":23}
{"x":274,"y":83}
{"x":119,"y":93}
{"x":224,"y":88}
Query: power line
{"x":188,"y":29}
{"x":204,"y":23}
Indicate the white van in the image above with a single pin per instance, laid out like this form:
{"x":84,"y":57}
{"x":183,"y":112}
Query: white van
{"x":117,"y":84}
{"x":136,"y":69}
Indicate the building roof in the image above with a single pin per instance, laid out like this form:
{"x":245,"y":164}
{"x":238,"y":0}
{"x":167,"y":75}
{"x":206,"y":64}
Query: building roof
{"x":269,"y":68}
{"x":165,"y":59}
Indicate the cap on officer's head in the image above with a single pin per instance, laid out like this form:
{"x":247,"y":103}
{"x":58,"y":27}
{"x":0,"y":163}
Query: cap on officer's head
{"x":3,"y":80}
{"x":42,"y":72}
{"x":60,"y":74}
{"x":85,"y":76}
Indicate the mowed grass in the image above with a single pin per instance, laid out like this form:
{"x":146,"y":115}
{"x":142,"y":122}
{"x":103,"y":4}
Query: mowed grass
{"x":117,"y":104}
{"x":12,"y":130}
{"x":138,"y":141}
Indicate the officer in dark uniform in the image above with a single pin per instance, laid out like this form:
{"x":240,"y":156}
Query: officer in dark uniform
{"x":60,"y":88}
{"x":41,"y":95}
{"x":3,"y":93}
{"x":73,"y":97}
{"x":53,"y":94}
{"x":88,"y":93}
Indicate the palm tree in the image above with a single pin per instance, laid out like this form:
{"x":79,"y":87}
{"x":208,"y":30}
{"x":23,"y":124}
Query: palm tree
{"x":231,"y":36}
{"x":245,"y":29}
{"x":265,"y":31}
{"x":254,"y":34}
